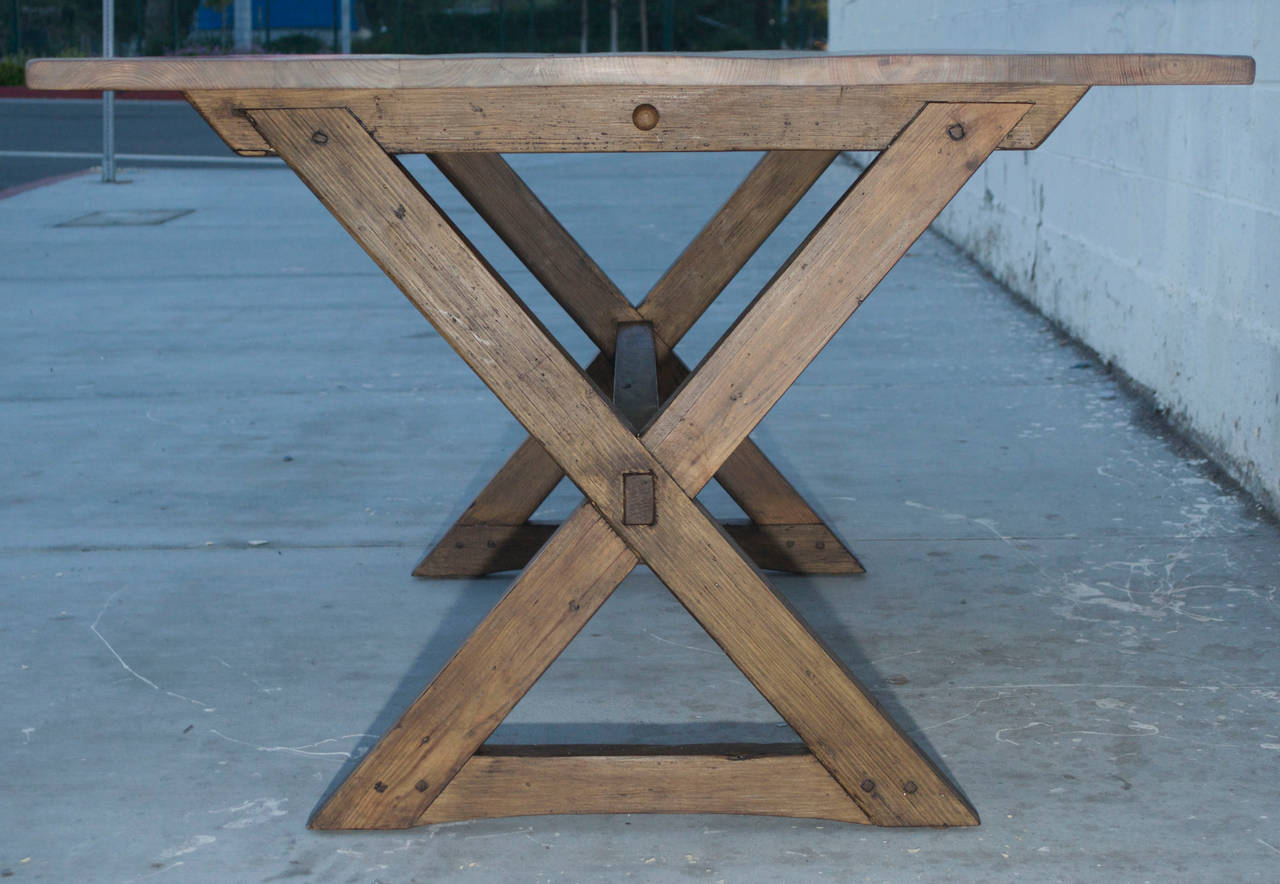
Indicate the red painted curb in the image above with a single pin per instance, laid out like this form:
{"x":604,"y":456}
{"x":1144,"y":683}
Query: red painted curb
{"x":32,"y":185}
{"x":24,"y":92}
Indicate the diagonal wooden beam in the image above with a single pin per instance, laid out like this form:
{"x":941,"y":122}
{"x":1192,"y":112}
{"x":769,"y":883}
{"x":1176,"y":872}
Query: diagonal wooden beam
{"x":543,"y":245}
{"x":473,"y":546}
{"x":434,"y":266}
{"x":754,"y":210}
{"x":685,"y":291}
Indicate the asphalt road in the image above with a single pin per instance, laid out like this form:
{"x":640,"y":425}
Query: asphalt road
{"x":40,"y":138}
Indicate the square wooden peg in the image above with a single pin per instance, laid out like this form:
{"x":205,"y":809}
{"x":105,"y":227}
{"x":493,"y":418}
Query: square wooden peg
{"x":638,"y":504}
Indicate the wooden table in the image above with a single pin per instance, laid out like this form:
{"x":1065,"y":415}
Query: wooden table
{"x":641,"y":453}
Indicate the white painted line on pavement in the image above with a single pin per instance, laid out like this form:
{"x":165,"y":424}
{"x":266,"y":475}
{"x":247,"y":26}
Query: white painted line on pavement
{"x":131,"y":157}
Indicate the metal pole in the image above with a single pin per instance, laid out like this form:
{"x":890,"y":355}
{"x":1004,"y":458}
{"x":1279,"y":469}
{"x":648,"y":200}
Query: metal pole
{"x":137,"y":42}
{"x":335,"y":25}
{"x":266,"y":23}
{"x":502,"y":25}
{"x":345,"y":27}
{"x":533,"y":40}
{"x":108,"y":96}
{"x":15,"y":39}
{"x":613,"y":25}
{"x":399,"y":27}
{"x":242,"y":19}
{"x":173,"y":16}
{"x":668,"y":25}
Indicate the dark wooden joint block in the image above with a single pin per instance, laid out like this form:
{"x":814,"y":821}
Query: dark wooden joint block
{"x":638,"y":504}
{"x":635,"y":374}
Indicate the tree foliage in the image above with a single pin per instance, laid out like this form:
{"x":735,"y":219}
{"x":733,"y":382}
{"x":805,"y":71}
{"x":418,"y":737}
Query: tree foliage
{"x":444,"y":26}
{"x":440,"y":26}
{"x":48,"y":28}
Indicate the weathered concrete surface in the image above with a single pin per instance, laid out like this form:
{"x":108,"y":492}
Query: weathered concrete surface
{"x":1148,"y":224}
{"x":225,"y":440}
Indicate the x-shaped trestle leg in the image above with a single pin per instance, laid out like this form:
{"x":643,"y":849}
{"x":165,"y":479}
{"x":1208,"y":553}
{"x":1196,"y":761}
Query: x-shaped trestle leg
{"x":860,"y":766}
{"x":494,"y":534}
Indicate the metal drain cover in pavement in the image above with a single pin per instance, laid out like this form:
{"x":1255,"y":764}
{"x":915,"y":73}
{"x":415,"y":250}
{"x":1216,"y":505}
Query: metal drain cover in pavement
{"x":127,"y":218}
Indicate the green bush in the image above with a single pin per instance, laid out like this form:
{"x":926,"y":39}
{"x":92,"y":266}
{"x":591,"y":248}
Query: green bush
{"x":299,"y":44}
{"x":11,"y":70}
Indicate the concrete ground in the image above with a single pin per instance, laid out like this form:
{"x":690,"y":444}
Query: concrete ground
{"x":225,"y":440}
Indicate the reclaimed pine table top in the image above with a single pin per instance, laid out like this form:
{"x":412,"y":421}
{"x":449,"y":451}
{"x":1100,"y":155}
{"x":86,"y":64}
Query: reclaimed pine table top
{"x":652,"y":69}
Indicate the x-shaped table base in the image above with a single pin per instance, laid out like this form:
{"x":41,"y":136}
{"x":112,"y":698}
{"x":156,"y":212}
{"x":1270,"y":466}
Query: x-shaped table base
{"x":430,"y":767}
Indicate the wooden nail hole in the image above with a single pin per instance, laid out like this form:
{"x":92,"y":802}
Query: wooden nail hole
{"x":645,"y":116}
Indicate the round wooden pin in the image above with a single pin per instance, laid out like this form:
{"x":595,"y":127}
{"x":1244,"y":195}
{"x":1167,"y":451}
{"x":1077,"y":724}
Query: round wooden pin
{"x":645,"y":116}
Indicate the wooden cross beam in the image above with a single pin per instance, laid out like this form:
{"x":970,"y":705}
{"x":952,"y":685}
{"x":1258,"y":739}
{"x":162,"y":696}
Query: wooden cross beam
{"x":493,"y":534}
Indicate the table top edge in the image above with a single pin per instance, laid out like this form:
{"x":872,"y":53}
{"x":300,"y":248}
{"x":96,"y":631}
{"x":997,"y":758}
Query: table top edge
{"x":653,"y":69}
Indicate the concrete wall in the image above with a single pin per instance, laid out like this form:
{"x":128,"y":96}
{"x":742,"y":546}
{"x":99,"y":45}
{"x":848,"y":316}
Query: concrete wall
{"x":1148,"y":225}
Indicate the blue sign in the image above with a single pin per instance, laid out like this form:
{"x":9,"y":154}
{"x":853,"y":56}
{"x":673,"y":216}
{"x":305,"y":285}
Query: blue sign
{"x":285,"y":15}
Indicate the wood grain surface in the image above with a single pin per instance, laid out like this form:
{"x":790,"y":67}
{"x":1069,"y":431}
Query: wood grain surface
{"x":506,"y":781}
{"x":521,"y":119}
{"x":729,"y":69}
